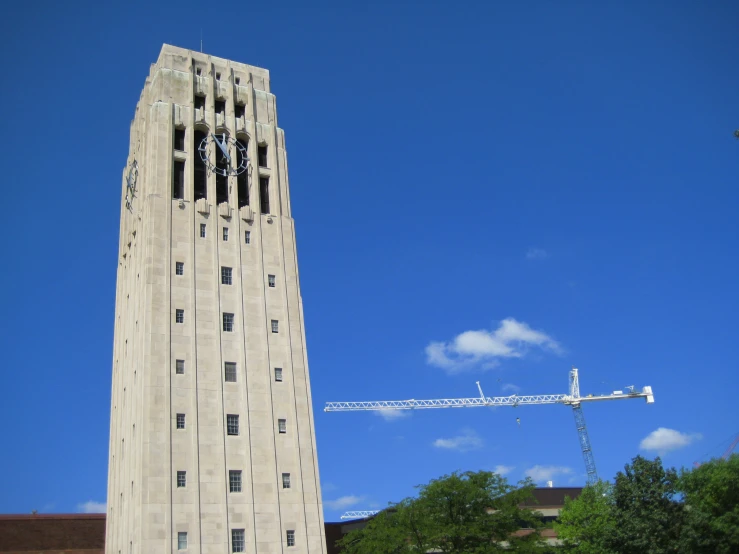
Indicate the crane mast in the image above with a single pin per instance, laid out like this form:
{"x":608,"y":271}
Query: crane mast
{"x":572,"y":399}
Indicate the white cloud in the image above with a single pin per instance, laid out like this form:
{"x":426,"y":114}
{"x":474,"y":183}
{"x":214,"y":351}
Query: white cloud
{"x":503,"y":470}
{"x":664,"y":440}
{"x":92,"y":507}
{"x":510,"y":387}
{"x":392,"y":415}
{"x":468,"y":440}
{"x":511,"y":339}
{"x":546,"y":473}
{"x":343,"y":502}
{"x":536,"y":254}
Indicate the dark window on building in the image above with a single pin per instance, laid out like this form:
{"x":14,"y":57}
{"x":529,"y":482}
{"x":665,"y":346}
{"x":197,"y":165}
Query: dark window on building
{"x":264,"y":194}
{"x":179,"y":367}
{"x":180,"y":421}
{"x":181,"y":535}
{"x":239,"y":110}
{"x":218,"y":76}
{"x":281,"y":426}
{"x":179,"y":140}
{"x":182,"y":479}
{"x":228,"y":322}
{"x":200,"y":181}
{"x":238,"y":80}
{"x":179,"y":316}
{"x":226,"y":275}
{"x":179,"y":268}
{"x":222,"y":167}
{"x":290,"y":535}
{"x":238,"y":542}
{"x":178,"y":180}
{"x":202,"y":230}
{"x":197,"y":71}
{"x":230,"y":372}
{"x":234,"y":480}
{"x":242,"y":179}
{"x":232,"y":424}
{"x":275,"y":326}
{"x":278,"y":374}
{"x":199,"y":101}
{"x":247,"y":237}
{"x":262,"y":155}
{"x":285,"y":480}
{"x":271,"y":280}
{"x":220,"y":107}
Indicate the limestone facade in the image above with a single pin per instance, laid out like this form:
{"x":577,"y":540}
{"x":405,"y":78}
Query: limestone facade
{"x":179,"y":378}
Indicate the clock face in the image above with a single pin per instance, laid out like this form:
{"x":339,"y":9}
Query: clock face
{"x":223,"y":155}
{"x":131,"y":178}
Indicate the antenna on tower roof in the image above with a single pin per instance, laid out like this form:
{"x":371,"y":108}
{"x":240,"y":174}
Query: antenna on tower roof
{"x":201,"y":41}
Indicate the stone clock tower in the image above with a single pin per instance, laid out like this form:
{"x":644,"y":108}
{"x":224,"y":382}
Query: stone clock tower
{"x":212,"y":445}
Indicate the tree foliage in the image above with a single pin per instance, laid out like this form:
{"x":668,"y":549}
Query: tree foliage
{"x":711,"y":495}
{"x":585,"y":522}
{"x":461,"y":513}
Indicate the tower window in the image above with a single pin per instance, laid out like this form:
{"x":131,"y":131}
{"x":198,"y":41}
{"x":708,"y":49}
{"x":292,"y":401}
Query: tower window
{"x":178,"y":180}
{"x":232,"y":424}
{"x":281,"y":425}
{"x":262,"y":155}
{"x":179,"y":268}
{"x":197,"y":71}
{"x":264,"y":194}
{"x":234,"y":480}
{"x":180,"y":421}
{"x":199,"y":101}
{"x":230,"y":372}
{"x":220,"y":107}
{"x":228,"y":322}
{"x":179,"y":316}
{"x":179,"y":140}
{"x":247,"y":237}
{"x":242,"y":179}
{"x":290,"y":538}
{"x":179,"y":367}
{"x":271,"y":280}
{"x":238,"y":80}
{"x":239,"y":110}
{"x":237,"y":540}
{"x":181,"y":479}
{"x":225,"y":233}
{"x":226,"y":273}
{"x":202,"y":230}
{"x":200,"y":175}
{"x":278,"y":374}
{"x":218,"y":76}
{"x":275,"y":326}
{"x":182,"y":536}
{"x":285,"y":480}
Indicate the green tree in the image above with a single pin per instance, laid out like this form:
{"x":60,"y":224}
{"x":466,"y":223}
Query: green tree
{"x":461,"y":513}
{"x":647,"y":517}
{"x":711,"y":496}
{"x":585,"y":523}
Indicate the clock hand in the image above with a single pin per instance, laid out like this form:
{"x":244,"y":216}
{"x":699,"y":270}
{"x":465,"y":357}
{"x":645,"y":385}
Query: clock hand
{"x":223,"y":147}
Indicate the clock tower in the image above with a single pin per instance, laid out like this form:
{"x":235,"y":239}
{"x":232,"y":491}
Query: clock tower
{"x":212,"y":444}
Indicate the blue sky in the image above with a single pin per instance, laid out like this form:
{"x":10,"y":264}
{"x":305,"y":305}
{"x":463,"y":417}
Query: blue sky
{"x":559,"y":177}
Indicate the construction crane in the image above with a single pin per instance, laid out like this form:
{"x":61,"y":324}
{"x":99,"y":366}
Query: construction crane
{"x":572,"y":399}
{"x":729,"y":450}
{"x":359,"y":514}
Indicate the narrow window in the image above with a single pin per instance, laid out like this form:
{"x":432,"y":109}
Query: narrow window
{"x":218,"y":76}
{"x":264,"y":194}
{"x":281,"y":425}
{"x":199,"y":101}
{"x":179,"y":367}
{"x":226,"y":273}
{"x":237,"y":540}
{"x":202,"y":230}
{"x":234,"y":480}
{"x":220,"y":107}
{"x":239,"y":111}
{"x":200,"y":175}
{"x":271,"y":280}
{"x":275,"y":326}
{"x":238,"y":80}
{"x":242,"y":179}
{"x":178,"y":180}
{"x":278,"y":374}
{"x":228,"y":322}
{"x":180,"y":421}
{"x":197,"y":72}
{"x":285,"y":480}
{"x":181,"y":479}
{"x":247,"y":237}
{"x":232,"y":424}
{"x":179,"y":316}
{"x":179,"y":140}
{"x":230,"y":372}
{"x":225,"y":233}
{"x":290,"y":538}
{"x":181,"y":540}
{"x":179,"y":268}
{"x":262,"y":155}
